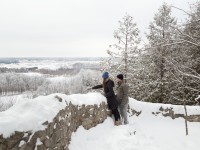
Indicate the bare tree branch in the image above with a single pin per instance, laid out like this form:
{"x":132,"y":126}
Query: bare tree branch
{"x":182,"y":10}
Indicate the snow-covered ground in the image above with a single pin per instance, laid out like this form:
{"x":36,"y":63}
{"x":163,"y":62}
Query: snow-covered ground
{"x":29,"y":114}
{"x":146,"y":132}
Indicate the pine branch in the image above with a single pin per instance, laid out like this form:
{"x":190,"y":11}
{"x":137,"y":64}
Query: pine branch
{"x":185,"y":35}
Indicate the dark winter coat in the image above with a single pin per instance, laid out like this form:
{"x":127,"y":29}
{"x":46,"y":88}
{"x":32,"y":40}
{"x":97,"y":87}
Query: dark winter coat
{"x":109,"y":94}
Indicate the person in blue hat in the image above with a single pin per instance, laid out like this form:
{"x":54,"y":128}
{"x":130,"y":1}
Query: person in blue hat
{"x":108,"y":86}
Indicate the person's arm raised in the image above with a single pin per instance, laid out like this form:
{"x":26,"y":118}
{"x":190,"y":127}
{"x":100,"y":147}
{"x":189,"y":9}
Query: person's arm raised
{"x":97,"y":86}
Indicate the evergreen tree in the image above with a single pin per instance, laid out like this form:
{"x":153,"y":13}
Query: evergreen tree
{"x":192,"y":35}
{"x":124,"y":53}
{"x":187,"y":66}
{"x":160,"y":50}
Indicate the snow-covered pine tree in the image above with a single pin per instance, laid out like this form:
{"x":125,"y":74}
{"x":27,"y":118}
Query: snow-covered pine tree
{"x":124,"y":53}
{"x":160,"y":38}
{"x":192,"y":35}
{"x":187,"y":61}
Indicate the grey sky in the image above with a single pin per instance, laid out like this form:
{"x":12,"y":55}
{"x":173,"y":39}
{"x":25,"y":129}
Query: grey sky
{"x":68,"y":28}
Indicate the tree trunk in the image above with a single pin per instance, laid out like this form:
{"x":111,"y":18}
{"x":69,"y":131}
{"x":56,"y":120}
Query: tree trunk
{"x":125,"y":59}
{"x":162,"y":61}
{"x":162,"y":65}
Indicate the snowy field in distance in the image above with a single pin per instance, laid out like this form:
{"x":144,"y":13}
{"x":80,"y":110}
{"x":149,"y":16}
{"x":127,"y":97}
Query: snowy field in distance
{"x":48,"y":63}
{"x":44,"y":76}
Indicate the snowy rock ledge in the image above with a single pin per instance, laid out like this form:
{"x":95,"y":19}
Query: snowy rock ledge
{"x":47,"y":122}
{"x":167,"y":110}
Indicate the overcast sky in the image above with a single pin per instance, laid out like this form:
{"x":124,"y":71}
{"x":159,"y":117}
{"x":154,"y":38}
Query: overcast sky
{"x":70,"y":28}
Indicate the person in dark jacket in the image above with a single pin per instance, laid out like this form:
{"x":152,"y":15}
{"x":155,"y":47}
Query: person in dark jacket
{"x":107,"y":86}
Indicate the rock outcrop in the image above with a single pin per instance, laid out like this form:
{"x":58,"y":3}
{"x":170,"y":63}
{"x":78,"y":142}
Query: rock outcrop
{"x":57,"y":134}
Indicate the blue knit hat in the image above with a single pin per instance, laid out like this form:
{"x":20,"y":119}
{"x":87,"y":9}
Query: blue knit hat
{"x":105,"y":75}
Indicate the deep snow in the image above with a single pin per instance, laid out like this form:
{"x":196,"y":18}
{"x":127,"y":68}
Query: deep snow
{"x":29,"y":114}
{"x":146,"y":132}
{"x":151,"y":133}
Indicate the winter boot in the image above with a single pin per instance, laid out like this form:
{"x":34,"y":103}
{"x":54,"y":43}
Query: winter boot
{"x":117,"y":123}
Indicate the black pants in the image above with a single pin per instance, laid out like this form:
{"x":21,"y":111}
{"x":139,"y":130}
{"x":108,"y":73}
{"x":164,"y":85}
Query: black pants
{"x":116,"y":114}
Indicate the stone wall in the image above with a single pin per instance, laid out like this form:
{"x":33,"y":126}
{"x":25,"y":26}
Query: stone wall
{"x":168,"y":112}
{"x":57,"y":134}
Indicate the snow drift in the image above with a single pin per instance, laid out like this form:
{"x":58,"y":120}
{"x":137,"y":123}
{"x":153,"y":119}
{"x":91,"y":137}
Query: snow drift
{"x":146,"y":131}
{"x":30,"y":114}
